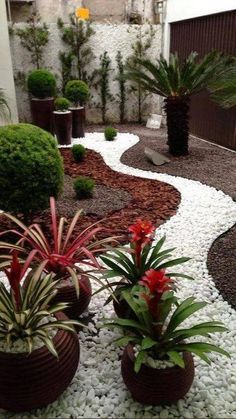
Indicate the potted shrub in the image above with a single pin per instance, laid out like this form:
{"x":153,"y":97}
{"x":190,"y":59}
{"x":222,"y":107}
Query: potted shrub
{"x":39,"y":349}
{"x":42,"y":86}
{"x":157,"y":363}
{"x":132,"y":261}
{"x":60,"y":254}
{"x":62,"y":121}
{"x":77,"y":92}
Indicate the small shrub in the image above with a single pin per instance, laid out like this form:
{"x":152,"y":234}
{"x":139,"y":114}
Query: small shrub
{"x":110,"y":133}
{"x":77,"y":91}
{"x":83,"y":187}
{"x":78,"y":152}
{"x":41,"y":83}
{"x":31,"y":169}
{"x":61,"y":104}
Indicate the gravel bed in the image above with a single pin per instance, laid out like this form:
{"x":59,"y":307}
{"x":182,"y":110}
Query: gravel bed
{"x":97,"y":391}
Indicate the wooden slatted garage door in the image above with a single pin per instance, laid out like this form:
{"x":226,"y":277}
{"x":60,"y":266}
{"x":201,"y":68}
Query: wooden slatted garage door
{"x":203,"y":34}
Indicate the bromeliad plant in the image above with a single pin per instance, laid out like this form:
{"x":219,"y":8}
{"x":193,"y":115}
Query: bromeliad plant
{"x":157,"y":333}
{"x":60,"y":253}
{"x":133,"y":262}
{"x":25,"y":311}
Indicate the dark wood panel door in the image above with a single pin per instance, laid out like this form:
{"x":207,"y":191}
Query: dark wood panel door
{"x":204,"y":34}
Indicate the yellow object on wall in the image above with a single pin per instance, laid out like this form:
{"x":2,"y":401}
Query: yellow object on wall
{"x":82,"y":13}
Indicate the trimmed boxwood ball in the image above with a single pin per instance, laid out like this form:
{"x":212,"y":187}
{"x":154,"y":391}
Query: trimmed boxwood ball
{"x":78,"y":152}
{"x":31,"y":169}
{"x":110,"y":133}
{"x":77,"y":91}
{"x":41,"y":84}
{"x":61,"y":104}
{"x":83,"y":187}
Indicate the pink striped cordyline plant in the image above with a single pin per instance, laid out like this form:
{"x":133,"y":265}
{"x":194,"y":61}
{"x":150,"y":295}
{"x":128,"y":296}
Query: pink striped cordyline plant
{"x":61,"y":257}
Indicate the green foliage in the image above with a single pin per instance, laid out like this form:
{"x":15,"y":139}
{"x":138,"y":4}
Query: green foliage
{"x":122,"y":85}
{"x":223,"y":89}
{"x":61,"y":104}
{"x":161,"y":337}
{"x":110,"y":133}
{"x":83,"y":187}
{"x":41,"y":83}
{"x":78,"y":152}
{"x":102,"y":83}
{"x":27,"y":320}
{"x":34,"y":37}
{"x":4,"y":108}
{"x":77,"y":91}
{"x":76,"y":61}
{"x":140,"y":50}
{"x":31,"y":169}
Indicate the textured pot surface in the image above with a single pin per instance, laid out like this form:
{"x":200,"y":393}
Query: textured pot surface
{"x":33,"y":381}
{"x":62,"y":122}
{"x":122,"y":308}
{"x":67,"y":293}
{"x":155,"y":386}
{"x":41,"y":111}
{"x":78,"y":122}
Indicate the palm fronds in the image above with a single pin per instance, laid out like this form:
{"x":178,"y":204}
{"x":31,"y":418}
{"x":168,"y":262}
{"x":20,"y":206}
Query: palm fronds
{"x":223,"y":89}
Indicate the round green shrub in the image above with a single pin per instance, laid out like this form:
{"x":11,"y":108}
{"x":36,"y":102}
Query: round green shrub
{"x":61,"y":104}
{"x":110,"y":133}
{"x":41,"y":84}
{"x":31,"y":169}
{"x":83,"y":187}
{"x":78,"y":152}
{"x":77,"y":91}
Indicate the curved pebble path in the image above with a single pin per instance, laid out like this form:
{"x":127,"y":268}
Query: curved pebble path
{"x":97,"y":390}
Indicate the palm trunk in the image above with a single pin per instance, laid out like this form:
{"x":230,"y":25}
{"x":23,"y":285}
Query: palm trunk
{"x":177,"y":112}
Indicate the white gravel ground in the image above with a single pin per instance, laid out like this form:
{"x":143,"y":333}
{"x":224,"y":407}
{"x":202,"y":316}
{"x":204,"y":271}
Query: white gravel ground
{"x":97,"y":389}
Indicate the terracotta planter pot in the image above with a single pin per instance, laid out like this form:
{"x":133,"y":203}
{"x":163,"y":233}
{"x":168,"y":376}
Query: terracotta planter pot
{"x":41,"y":111}
{"x":33,"y":381}
{"x":122,"y":308}
{"x":78,"y":122}
{"x":155,"y":386}
{"x":66,"y":293}
{"x":62,"y":122}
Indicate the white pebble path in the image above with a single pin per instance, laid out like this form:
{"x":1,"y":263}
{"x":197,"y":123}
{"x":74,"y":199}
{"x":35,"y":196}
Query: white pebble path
{"x":97,"y":389}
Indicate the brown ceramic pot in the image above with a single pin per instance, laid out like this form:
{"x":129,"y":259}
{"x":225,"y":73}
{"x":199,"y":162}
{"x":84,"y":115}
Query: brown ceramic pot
{"x":78,"y":122}
{"x":122,"y":308}
{"x":33,"y":381}
{"x":155,"y":386}
{"x":41,"y":111}
{"x":66,"y":293}
{"x":62,"y":122}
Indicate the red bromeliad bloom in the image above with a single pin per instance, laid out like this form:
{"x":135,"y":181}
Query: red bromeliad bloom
{"x":141,"y":234}
{"x":157,"y":283}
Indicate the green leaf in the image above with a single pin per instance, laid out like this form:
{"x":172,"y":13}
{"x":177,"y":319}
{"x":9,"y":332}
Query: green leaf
{"x":176,"y":358}
{"x":147,"y":343}
{"x":139,"y":360}
{"x":173,"y":262}
{"x":124,"y":340}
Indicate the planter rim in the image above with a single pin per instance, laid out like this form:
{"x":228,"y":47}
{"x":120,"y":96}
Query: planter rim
{"x":76,"y":108}
{"x":42,"y":99}
{"x":130,"y":351}
{"x":36,"y":352}
{"x":61,"y":112}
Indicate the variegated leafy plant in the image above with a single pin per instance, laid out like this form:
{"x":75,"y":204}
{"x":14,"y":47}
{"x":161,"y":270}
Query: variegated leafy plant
{"x":25,"y":310}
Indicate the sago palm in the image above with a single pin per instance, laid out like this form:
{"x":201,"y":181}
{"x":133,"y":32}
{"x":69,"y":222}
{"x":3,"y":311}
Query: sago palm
{"x":176,"y":82}
{"x":223,"y":88}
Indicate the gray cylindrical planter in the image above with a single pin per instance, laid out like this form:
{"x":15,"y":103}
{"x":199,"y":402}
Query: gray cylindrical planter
{"x":78,"y":122}
{"x":62,"y":122}
{"x":41,"y":111}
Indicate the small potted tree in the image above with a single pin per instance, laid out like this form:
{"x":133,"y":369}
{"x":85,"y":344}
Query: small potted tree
{"x":62,"y":121}
{"x":42,"y":86}
{"x":77,"y":92}
{"x":39,"y":349}
{"x":157,"y":363}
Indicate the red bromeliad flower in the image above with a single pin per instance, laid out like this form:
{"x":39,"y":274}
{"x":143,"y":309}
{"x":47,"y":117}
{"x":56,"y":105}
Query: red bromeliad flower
{"x":156,"y":281}
{"x":141,"y":234}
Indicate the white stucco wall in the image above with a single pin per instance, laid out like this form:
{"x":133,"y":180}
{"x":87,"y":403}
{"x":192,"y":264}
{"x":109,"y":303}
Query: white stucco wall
{"x":177,"y":10}
{"x":108,"y":37}
{"x":6,"y":73}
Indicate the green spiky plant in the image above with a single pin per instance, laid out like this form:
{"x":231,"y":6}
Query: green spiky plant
{"x":76,"y":36}
{"x":223,"y":89}
{"x":102,"y":83}
{"x":158,"y":332}
{"x":122,"y":95}
{"x":176,"y":82}
{"x":24,"y":308}
{"x":34,"y":37}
